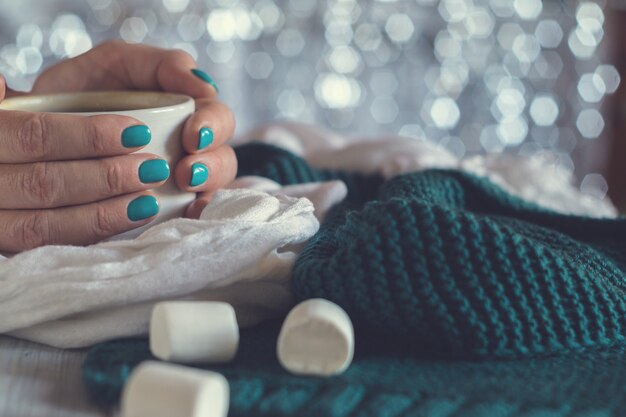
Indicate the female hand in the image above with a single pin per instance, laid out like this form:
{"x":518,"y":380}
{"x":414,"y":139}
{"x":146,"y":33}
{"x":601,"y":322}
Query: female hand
{"x":69,"y":179}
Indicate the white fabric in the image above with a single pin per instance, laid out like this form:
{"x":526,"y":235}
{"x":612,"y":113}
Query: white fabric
{"x":538,"y":179}
{"x":323,"y":195}
{"x":107,"y":290}
{"x":242,"y":249}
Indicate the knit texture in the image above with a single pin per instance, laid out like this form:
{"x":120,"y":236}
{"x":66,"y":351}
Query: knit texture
{"x":466,"y":301}
{"x":454,"y":264}
{"x":392,"y":382}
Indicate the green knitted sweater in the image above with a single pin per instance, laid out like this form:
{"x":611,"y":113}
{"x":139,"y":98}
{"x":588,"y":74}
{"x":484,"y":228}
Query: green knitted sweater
{"x":466,"y":301}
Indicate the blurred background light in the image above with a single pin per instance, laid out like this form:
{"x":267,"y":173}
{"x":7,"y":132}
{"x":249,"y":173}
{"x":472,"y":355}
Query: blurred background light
{"x":526,"y":77}
{"x":590,"y":123}
{"x":528,"y":9}
{"x":544,"y":110}
{"x":549,"y":33}
{"x":594,"y":185}
{"x":445,"y":113}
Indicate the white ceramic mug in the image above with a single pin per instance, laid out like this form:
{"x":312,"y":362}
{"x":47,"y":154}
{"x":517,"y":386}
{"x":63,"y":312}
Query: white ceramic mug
{"x":163,"y":113}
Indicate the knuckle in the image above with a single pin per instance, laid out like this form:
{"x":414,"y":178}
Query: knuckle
{"x":113,"y":178}
{"x":96,"y":136}
{"x":33,"y":230}
{"x":228,"y":165}
{"x":230,"y":116}
{"x":104,"y":222}
{"x":110,"y":44}
{"x":217,"y":165}
{"x":230,"y":120}
{"x":110,"y":50}
{"x":224,"y":165}
{"x":180,"y":55}
{"x":32,"y":137}
{"x":226,"y":116}
{"x":40,"y":186}
{"x":232,"y":163}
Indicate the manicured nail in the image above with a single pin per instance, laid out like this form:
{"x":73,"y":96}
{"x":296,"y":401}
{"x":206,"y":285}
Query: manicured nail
{"x":199,"y":174}
{"x":142,"y":208}
{"x":154,"y":170}
{"x":134,"y":136}
{"x":205,"y":138}
{"x":205,"y":77}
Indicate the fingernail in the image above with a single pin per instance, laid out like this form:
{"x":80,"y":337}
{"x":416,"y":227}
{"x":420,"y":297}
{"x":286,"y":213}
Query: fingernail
{"x":142,"y":208}
{"x":154,"y":170}
{"x":205,"y":77}
{"x":205,"y":138}
{"x":199,"y":174}
{"x":134,"y":136}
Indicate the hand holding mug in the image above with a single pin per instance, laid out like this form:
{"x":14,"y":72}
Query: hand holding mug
{"x":70,"y":179}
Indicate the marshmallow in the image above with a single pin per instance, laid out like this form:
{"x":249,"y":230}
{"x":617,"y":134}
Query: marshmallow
{"x":194,"y":331}
{"x":157,"y":389}
{"x":316,"y":338}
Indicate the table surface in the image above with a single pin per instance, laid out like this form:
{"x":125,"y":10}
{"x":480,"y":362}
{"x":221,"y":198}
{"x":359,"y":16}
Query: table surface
{"x":41,"y":381}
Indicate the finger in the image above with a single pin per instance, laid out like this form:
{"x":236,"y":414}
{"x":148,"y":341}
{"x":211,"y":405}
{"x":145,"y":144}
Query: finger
{"x":34,"y":137}
{"x":3,"y":87}
{"x":194,"y":210}
{"x":59,"y":184}
{"x":76,"y":225}
{"x":206,"y":171}
{"x":209,"y":127}
{"x":117,"y":65}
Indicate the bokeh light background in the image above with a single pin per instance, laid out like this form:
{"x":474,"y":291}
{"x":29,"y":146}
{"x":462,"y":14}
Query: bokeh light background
{"x":477,"y":76}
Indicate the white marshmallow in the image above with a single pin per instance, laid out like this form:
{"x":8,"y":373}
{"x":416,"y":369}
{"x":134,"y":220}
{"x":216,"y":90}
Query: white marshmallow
{"x":194,"y":331}
{"x":157,"y":389}
{"x":316,"y":338}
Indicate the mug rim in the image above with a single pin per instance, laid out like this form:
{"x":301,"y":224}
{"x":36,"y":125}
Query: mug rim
{"x":27,"y":102}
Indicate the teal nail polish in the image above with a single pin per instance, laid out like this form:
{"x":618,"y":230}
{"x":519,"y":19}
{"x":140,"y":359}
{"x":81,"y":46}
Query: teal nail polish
{"x":154,"y":170}
{"x":205,"y":138}
{"x":199,"y":174}
{"x":134,"y":136}
{"x":142,"y":208}
{"x":205,"y":77}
